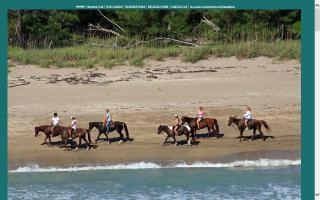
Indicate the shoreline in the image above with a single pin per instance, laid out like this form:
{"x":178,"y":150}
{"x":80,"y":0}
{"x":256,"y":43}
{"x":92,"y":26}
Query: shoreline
{"x":277,"y":155}
{"x":237,"y":160}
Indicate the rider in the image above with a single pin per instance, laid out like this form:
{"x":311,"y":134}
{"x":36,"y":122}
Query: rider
{"x":73,"y":126}
{"x":248,"y":115}
{"x":175,"y":124}
{"x":107,"y":120}
{"x":54,"y":121}
{"x":200,"y":116}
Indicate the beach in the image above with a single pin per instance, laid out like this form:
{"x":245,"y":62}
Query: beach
{"x":145,"y":97}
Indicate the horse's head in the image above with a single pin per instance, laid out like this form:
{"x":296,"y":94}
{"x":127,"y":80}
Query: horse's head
{"x":160,"y":129}
{"x":183,"y":119}
{"x":36,"y":131}
{"x":232,"y":120}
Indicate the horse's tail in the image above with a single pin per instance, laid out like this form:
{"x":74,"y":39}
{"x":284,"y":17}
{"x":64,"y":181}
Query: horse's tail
{"x":266,"y":126}
{"x":126,"y":130}
{"x":89,"y":137}
{"x":216,"y":125}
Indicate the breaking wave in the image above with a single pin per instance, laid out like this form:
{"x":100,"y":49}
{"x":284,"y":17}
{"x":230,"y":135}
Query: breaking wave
{"x":261,"y":163}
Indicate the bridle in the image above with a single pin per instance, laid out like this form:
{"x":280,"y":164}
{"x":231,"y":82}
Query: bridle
{"x":233,"y":125}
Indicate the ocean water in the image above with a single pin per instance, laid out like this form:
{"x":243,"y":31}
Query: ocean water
{"x":259,"y":179}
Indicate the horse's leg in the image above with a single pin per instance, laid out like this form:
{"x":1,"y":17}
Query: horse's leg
{"x":98,"y":137}
{"x":195,"y":131}
{"x":65,"y":143}
{"x":107,"y":138}
{"x":188,"y":139}
{"x":87,"y":143}
{"x":50,"y":141}
{"x":241,"y":135}
{"x":80,"y":140}
{"x":175,"y":141}
{"x":121,"y":136}
{"x":209,"y":133}
{"x":45,"y":141}
{"x":253,"y":134}
{"x":260,"y":131}
{"x":165,"y":141}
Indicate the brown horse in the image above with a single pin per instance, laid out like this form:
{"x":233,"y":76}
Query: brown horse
{"x":252,"y":124}
{"x":81,"y":134}
{"x":182,"y":130}
{"x":115,"y":125}
{"x":46,"y":129}
{"x":210,"y":123}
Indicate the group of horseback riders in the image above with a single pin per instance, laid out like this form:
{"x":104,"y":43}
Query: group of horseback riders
{"x":247,"y":116}
{"x":185,"y":125}
{"x":55,"y":121}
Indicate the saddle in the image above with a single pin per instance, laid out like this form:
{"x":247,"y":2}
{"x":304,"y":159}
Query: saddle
{"x":250,"y":124}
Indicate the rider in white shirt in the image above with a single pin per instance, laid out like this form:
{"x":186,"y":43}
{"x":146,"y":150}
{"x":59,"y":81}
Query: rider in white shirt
{"x":247,"y":117}
{"x":73,"y":125}
{"x":54,"y":122}
{"x":107,"y":120}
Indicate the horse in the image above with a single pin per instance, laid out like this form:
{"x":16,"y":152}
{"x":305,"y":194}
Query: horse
{"x":210,"y":123}
{"x":115,"y":125}
{"x":81,"y":133}
{"x":46,"y":129}
{"x":253,"y":124}
{"x":182,"y":130}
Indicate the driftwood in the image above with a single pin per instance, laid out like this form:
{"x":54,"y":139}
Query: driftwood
{"x":209,"y":23}
{"x":19,"y":84}
{"x":111,"y":21}
{"x":99,"y":28}
{"x":161,"y":38}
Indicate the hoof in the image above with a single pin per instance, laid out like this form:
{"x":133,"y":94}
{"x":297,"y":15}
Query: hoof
{"x":76,"y":149}
{"x":88,"y":148}
{"x":176,"y":144}
{"x":108,"y":142}
{"x":120,"y":142}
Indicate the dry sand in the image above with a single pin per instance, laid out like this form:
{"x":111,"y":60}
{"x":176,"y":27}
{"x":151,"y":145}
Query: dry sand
{"x":148,"y":96}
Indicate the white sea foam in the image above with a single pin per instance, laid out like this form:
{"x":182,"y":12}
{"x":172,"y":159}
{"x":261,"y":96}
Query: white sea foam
{"x":261,"y":163}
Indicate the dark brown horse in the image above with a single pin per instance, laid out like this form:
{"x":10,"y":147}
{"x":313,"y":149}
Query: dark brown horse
{"x":81,"y":134}
{"x":182,"y":130}
{"x":209,"y":123}
{"x":46,"y":129}
{"x":115,"y":125}
{"x":254,"y":124}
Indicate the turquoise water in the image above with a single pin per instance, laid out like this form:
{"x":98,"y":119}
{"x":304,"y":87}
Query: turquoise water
{"x":159,"y":183}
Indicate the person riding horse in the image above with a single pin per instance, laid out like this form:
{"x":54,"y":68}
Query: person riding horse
{"x":175,"y":124}
{"x":73,"y":126}
{"x":200,"y":116}
{"x":55,"y":120}
{"x":107,"y":120}
{"x":248,"y":116}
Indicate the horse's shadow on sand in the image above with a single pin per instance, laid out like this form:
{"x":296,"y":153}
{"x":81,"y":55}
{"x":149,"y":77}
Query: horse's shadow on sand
{"x":113,"y":140}
{"x":181,"y":142}
{"x":257,"y":137}
{"x":71,"y":145}
{"x":211,"y":135}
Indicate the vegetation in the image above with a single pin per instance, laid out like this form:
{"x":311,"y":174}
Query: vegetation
{"x":89,"y":57}
{"x":115,"y":37}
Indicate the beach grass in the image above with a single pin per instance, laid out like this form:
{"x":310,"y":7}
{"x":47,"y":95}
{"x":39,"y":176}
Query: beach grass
{"x":86,"y":56}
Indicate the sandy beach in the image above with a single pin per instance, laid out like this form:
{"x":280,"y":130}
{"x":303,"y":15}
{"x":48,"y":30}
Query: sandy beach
{"x":145,"y":97}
